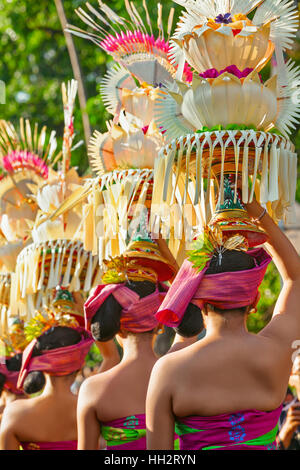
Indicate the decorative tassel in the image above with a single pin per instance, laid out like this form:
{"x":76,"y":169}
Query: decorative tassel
{"x":245,"y":184}
{"x":67,"y":275}
{"x":273,"y":174}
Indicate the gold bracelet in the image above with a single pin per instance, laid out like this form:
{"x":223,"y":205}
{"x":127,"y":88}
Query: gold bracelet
{"x":260,"y":217}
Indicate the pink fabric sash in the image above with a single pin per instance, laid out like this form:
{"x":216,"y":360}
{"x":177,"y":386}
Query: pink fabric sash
{"x":225,"y":290}
{"x":242,"y":430}
{"x":138,"y":315}
{"x":63,"y":445}
{"x":11,"y":379}
{"x":61,"y":361}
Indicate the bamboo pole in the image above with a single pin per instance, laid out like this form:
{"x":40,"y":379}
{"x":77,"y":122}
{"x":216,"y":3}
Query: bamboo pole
{"x":76,"y":71}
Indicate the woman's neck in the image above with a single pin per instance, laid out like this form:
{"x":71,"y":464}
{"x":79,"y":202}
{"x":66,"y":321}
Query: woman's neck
{"x":230,"y":324}
{"x":58,"y":385}
{"x":136,"y":347}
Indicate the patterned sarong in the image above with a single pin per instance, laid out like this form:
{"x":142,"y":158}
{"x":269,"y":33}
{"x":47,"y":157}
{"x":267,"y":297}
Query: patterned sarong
{"x":243,"y":430}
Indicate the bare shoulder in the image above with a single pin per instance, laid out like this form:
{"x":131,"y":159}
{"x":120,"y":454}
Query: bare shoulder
{"x":166,"y":367}
{"x":15,"y":412}
{"x":90,"y":388}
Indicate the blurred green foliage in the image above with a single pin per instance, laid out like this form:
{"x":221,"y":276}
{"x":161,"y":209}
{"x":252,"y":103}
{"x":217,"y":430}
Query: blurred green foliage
{"x":269,"y":290}
{"x":34,"y":63}
{"x":94,"y":357}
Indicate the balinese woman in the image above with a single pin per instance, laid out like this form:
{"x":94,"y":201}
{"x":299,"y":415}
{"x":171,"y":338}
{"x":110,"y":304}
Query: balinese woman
{"x":226,"y":390}
{"x":49,"y":364}
{"x":112,"y":404}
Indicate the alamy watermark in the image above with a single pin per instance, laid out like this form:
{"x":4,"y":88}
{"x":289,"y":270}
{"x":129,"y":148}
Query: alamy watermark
{"x":179,"y":221}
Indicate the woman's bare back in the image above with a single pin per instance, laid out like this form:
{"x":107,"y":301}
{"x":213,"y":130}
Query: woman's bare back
{"x":44,"y":419}
{"x":121,"y":391}
{"x":227,"y":375}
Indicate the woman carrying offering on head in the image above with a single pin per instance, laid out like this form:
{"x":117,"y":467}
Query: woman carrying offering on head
{"x":226,"y":390}
{"x":112,"y":404}
{"x":50,"y":364}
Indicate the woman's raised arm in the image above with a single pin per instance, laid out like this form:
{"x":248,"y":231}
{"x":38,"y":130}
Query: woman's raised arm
{"x":285,"y":323}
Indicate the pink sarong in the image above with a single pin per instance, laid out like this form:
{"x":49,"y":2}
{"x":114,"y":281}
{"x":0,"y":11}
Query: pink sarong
{"x":60,"y":361}
{"x":243,"y":430}
{"x":63,"y":445}
{"x":229,"y":290}
{"x":126,"y":433}
{"x":138,"y":314}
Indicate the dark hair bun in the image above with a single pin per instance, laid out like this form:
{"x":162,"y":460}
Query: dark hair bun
{"x":106,"y":322}
{"x":34,"y":382}
{"x":230,"y":261}
{"x":192,"y":322}
{"x":54,"y":338}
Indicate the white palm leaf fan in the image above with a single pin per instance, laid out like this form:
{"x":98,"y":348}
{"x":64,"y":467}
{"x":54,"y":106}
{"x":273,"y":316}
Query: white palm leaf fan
{"x":207,"y":8}
{"x":114,"y":81}
{"x":285,"y":24}
{"x":168,"y":115}
{"x":288,"y":98}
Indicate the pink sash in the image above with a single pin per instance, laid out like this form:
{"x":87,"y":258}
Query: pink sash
{"x":227,"y":290}
{"x":138,"y":315}
{"x":61,"y":361}
{"x":63,"y":445}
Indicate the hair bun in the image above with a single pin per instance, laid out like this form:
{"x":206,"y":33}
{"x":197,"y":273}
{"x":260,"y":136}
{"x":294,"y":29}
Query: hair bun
{"x":2,"y":382}
{"x":106,"y":323}
{"x":192,"y":322}
{"x":230,"y":261}
{"x":34,"y":382}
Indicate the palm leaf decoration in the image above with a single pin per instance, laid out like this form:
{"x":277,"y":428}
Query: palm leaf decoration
{"x":202,"y":249}
{"x":42,"y":322}
{"x":209,"y":243}
{"x":115,"y":270}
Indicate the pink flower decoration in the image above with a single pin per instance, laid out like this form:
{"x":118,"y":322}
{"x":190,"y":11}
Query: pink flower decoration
{"x":21,"y":159}
{"x":213,"y":73}
{"x":134,"y":42}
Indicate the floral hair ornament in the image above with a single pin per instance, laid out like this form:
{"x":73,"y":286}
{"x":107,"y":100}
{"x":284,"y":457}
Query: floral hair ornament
{"x":14,"y":340}
{"x":44,"y":321}
{"x":122,"y":269}
{"x":210,"y":243}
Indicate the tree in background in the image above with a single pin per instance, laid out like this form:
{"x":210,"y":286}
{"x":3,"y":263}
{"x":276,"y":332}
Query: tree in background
{"x":35,"y":61}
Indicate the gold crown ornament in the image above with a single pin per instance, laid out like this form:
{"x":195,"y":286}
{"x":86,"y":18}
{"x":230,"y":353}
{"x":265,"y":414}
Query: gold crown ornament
{"x":46,"y":319}
{"x":122,"y":269}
